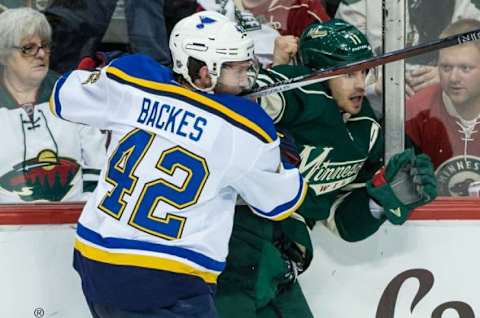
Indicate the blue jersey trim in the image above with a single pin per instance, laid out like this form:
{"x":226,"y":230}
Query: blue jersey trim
{"x":238,"y":111}
{"x":57,"y":107}
{"x":117,"y":243}
{"x":135,"y":288}
{"x":248,"y":109}
{"x":288,"y":207}
{"x":145,"y":67}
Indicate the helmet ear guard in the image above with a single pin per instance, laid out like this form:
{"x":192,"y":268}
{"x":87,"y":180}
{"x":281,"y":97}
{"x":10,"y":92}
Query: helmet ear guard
{"x":331,"y":43}
{"x":211,"y":38}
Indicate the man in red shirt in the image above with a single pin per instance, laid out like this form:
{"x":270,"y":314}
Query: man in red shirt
{"x":443,"y":119}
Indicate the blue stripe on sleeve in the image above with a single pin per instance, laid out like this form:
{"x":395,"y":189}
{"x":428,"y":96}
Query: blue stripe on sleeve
{"x":286,"y":206}
{"x":58,"y":86}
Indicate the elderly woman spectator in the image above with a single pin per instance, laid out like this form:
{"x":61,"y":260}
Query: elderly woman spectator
{"x":43,"y":158}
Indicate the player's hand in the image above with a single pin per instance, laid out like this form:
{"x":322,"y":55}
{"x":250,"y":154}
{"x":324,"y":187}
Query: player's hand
{"x":285,"y":48}
{"x":295,"y":258}
{"x":420,"y":78}
{"x":99,"y":60}
{"x":288,"y":149}
{"x":406,"y":183}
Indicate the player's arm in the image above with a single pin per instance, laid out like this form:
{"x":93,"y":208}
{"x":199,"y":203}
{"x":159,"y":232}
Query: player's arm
{"x":81,"y":96}
{"x":350,"y":216}
{"x":406,"y":183}
{"x":85,"y":97}
{"x":271,"y":190}
{"x":348,"y":213}
{"x":285,"y":107}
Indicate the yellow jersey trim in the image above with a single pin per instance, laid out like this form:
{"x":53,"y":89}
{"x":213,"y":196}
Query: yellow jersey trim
{"x":146,"y":261}
{"x":192,"y":95}
{"x":290,"y":211}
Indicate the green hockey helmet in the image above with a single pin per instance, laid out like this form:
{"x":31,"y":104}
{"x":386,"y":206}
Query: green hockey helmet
{"x":331,"y":43}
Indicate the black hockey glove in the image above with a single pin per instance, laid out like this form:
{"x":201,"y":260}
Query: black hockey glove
{"x":295,"y":258}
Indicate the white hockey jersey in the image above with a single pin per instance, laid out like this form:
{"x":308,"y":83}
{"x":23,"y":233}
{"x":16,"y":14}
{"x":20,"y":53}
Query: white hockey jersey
{"x":176,"y":163}
{"x":45,"y":158}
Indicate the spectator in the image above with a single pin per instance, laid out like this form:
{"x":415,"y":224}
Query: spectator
{"x":79,"y":26}
{"x":43,"y":158}
{"x":265,"y":20}
{"x":443,"y":120}
{"x":366,"y":15}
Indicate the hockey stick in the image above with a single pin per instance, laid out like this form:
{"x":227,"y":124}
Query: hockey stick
{"x":331,"y":72}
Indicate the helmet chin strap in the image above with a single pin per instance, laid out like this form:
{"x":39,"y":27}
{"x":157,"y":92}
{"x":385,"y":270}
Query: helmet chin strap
{"x":206,"y":89}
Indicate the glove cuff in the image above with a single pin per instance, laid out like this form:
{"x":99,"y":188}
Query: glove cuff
{"x":394,"y":210}
{"x":375,"y":209}
{"x":378,"y":178}
{"x":87,"y":63}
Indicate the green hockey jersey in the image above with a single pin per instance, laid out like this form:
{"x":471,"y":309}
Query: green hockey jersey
{"x":339,"y":152}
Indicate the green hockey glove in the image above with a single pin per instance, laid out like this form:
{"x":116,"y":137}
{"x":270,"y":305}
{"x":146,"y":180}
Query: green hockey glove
{"x":407,"y":182}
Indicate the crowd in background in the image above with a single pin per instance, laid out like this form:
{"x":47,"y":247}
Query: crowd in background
{"x":330,"y":136}
{"x":43,"y":164}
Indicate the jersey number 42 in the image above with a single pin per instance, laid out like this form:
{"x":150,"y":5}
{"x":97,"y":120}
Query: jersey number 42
{"x":121,"y":175}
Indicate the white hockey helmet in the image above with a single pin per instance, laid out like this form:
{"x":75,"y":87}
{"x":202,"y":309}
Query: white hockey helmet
{"x":211,"y":38}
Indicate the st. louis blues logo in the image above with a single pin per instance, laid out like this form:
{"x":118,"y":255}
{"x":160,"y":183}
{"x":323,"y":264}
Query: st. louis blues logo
{"x":204,"y":21}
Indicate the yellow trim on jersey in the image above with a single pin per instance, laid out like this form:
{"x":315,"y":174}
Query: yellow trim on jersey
{"x":191,"y":94}
{"x":290,"y":211}
{"x":51,"y":105}
{"x":145,"y":261}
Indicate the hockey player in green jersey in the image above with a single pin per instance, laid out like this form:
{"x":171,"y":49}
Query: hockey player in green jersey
{"x":341,"y":157}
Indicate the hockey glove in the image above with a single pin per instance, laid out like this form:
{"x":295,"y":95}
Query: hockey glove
{"x":100,"y":60}
{"x":406,"y":183}
{"x":288,"y":149}
{"x":294,"y":256}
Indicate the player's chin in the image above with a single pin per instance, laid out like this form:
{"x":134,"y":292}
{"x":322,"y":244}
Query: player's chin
{"x":228,"y":89}
{"x":354,"y":108}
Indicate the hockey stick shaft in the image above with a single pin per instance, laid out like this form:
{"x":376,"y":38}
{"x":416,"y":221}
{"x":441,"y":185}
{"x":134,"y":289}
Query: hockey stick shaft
{"x":331,"y":72}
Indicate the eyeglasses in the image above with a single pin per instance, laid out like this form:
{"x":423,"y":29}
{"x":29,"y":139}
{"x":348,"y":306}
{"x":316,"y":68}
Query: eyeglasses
{"x":31,"y":49}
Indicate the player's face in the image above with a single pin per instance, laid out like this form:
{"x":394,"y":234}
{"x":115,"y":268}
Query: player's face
{"x":237,"y":77}
{"x":29,"y":62}
{"x":459,"y":70}
{"x":348,"y":91}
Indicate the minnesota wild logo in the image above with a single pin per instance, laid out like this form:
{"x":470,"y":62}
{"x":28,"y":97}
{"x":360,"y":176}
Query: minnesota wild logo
{"x":324,"y":173}
{"x":46,"y":177}
{"x":455,"y":175}
{"x":317,"y":33}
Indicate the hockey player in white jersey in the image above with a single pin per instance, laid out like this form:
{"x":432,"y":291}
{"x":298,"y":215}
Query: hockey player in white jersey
{"x":154,"y":237}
